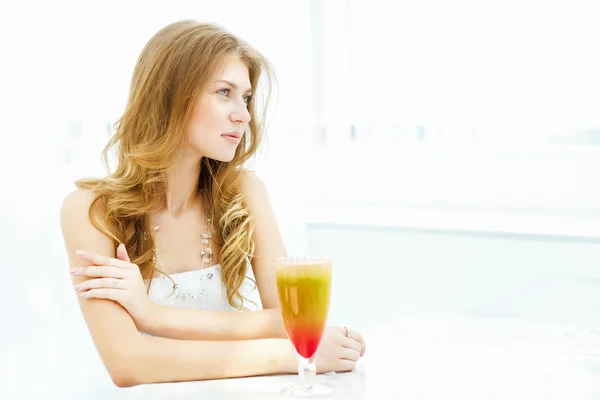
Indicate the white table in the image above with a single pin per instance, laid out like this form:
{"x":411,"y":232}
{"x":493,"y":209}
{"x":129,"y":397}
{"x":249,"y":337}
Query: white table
{"x":482,"y":359}
{"x":437,"y":359}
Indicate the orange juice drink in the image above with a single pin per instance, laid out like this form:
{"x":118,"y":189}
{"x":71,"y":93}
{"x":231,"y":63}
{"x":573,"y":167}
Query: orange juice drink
{"x":304,"y":291}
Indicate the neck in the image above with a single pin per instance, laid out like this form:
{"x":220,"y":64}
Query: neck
{"x":183,"y":185}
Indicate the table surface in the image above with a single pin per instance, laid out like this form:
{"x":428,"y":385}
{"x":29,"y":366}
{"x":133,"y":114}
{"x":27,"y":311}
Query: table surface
{"x":436,"y":359}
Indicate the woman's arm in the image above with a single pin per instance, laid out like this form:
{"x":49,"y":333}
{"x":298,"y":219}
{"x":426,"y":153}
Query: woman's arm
{"x":267,"y":238}
{"x":163,"y":320}
{"x":192,"y":324}
{"x":131,"y":358}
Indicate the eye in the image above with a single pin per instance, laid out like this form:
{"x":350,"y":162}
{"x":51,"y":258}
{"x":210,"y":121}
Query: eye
{"x":247,"y":99}
{"x":224,"y":92}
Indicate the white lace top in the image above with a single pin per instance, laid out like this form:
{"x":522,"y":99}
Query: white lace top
{"x":202,"y":289}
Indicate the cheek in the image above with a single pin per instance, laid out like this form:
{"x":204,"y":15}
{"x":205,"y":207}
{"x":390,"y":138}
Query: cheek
{"x":197,"y":121}
{"x":198,"y":135}
{"x":208,"y":114}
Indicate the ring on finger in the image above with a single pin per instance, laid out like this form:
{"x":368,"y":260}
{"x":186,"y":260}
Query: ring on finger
{"x":347,"y":331}
{"x":115,"y":283}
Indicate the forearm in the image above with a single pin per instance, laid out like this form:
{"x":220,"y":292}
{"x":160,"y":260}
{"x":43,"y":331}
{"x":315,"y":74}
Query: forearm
{"x":193,"y":324}
{"x":169,"y":360}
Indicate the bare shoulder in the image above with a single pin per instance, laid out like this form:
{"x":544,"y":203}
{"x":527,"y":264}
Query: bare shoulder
{"x":79,"y":198}
{"x":254,"y":189}
{"x":76,"y":205}
{"x":251,"y":181}
{"x":77,"y":229}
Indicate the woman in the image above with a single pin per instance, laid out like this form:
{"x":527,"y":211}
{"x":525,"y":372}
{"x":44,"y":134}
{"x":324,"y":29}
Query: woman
{"x":171,"y":242}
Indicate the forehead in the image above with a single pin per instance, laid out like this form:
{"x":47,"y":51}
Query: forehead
{"x":233,"y":69}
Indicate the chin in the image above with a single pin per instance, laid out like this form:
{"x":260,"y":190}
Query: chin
{"x":223,"y":157}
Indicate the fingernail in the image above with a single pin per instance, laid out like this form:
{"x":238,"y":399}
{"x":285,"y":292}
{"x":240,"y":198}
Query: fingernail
{"x":122,"y":245}
{"x":81,"y":253}
{"x":75,"y":271}
{"x":84,"y":294}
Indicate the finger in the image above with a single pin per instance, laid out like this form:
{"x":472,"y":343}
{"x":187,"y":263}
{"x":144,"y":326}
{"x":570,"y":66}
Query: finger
{"x":103,"y":260}
{"x":99,"y":272}
{"x":99,"y":283}
{"x":351,"y":344}
{"x":359,"y":338}
{"x":108,"y":294}
{"x":350,"y":354}
{"x":122,"y":253}
{"x":346,"y":365}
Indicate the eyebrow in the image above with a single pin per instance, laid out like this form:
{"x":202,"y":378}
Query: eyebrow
{"x":232,"y":84}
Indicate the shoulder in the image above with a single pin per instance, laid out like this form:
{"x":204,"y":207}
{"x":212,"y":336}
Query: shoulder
{"x":78,"y":203}
{"x":75,"y":210}
{"x":251,"y":183}
{"x":254,"y":189}
{"x":83,"y":225}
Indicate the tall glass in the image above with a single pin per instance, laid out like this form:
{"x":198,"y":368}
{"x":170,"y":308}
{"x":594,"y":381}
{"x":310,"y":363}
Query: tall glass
{"x":304,"y":286}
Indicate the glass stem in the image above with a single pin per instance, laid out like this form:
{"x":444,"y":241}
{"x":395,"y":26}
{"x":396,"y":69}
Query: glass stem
{"x":307,"y":370}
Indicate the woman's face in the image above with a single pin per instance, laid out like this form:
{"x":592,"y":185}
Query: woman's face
{"x":220,"y":113}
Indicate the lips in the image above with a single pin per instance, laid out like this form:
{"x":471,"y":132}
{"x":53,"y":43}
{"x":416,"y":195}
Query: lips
{"x":233,"y":135}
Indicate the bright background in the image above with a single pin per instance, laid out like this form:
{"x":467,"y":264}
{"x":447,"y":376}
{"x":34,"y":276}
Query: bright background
{"x":444,"y":153}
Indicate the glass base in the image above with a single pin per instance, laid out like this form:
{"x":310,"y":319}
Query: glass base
{"x":300,"y":390}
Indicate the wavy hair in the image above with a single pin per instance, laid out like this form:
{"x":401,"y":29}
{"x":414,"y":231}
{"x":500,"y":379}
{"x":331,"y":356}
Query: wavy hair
{"x":172,"y":68}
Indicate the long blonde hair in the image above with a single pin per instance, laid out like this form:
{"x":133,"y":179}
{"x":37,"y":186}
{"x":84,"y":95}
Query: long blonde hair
{"x":173,"y":67}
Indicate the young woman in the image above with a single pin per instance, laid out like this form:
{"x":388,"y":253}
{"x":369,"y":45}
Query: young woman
{"x":179,"y":237}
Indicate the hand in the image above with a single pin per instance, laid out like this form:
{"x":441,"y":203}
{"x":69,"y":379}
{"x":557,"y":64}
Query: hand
{"x":338,"y":352}
{"x":115,"y":279}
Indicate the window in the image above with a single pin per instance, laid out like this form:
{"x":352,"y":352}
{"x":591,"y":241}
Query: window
{"x":508,"y":73}
{"x":460,"y":105}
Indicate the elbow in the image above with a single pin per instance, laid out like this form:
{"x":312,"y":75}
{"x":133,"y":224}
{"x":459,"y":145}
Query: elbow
{"x":124,"y":375}
{"x":123,"y":380}
{"x":123,"y":368}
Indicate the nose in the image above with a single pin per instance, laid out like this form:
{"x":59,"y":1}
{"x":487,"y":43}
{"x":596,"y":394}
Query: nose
{"x":240,"y":114}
